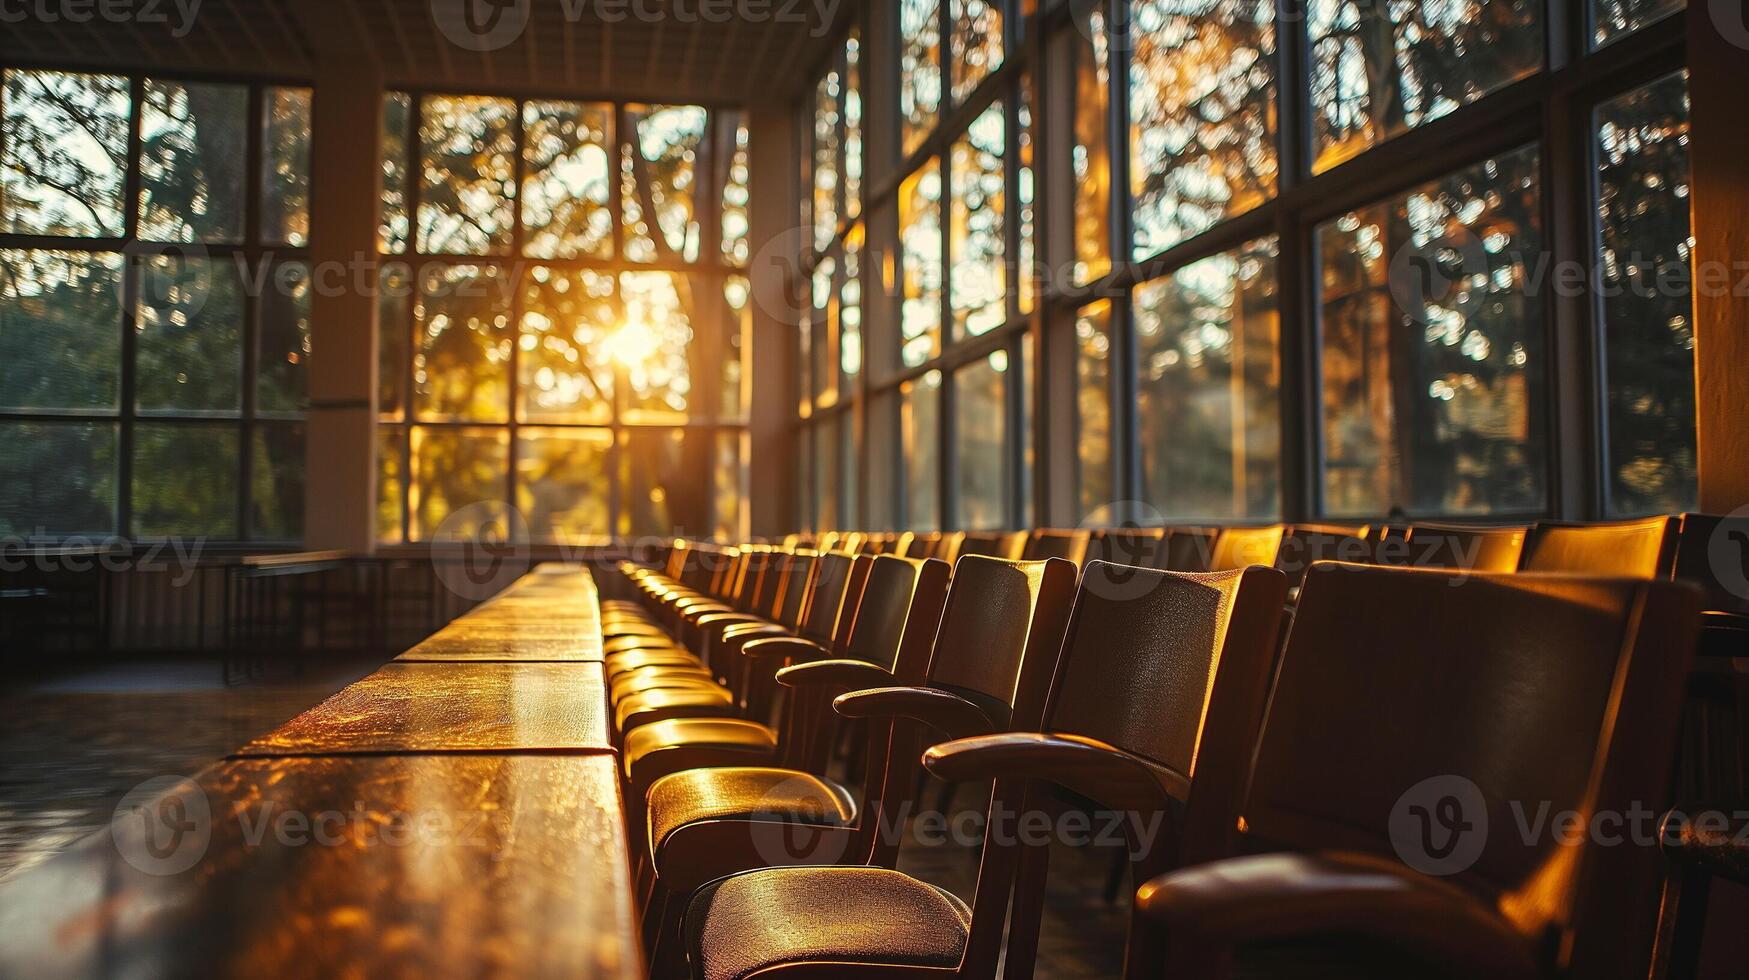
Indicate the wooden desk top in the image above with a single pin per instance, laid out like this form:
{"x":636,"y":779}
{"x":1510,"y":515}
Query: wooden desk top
{"x":367,"y":866}
{"x":433,"y":820}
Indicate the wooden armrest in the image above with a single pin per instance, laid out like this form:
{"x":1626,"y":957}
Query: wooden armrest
{"x":792,"y":647}
{"x":1286,"y":897}
{"x":943,"y":710}
{"x":850,"y":675}
{"x":1086,"y":766}
{"x":1713,"y":841}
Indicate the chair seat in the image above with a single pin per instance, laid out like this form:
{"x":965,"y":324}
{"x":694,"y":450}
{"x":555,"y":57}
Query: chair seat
{"x":743,"y":792}
{"x":750,"y":922}
{"x":621,"y":663}
{"x":626,"y":644}
{"x":660,"y":705}
{"x":660,"y":679}
{"x":653,"y":751}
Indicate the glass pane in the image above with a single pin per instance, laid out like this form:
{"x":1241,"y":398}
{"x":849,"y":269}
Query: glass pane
{"x":63,"y":163}
{"x":1202,"y":115}
{"x":1613,"y":19}
{"x":1648,"y":336}
{"x":662,"y":492}
{"x":394,"y":327}
{"x":276,"y":493}
{"x":1026,"y":263}
{"x":850,"y":309}
{"x":566,"y":366}
{"x":826,"y":148}
{"x":1379,"y":70}
{"x":189,"y":335}
{"x":738,"y":323}
{"x":467,"y":164}
{"x":977,"y":42}
{"x":193,"y":162}
{"x":825,"y":463}
{"x":919,"y":69}
{"x":735,"y":194}
{"x":568,"y":171}
{"x":978,"y":285}
{"x":919,"y":410}
{"x":651,"y":350}
{"x":1208,"y":409}
{"x":1432,"y":348}
{"x":849,"y":473}
{"x":284,"y":340}
{"x":60,"y":478}
{"x":1093,"y":403}
{"x":1091,"y":158}
{"x":60,"y":329}
{"x":391,"y":443}
{"x":853,"y":127}
{"x":393,"y":223}
{"x":920,"y":239}
{"x":563,"y":482}
{"x":824,"y":370}
{"x":980,"y":392}
{"x":185,"y":481}
{"x":285,"y":181}
{"x":461,"y":370}
{"x":458,"y":482}
{"x":1027,"y":435}
{"x":730,"y":479}
{"x":658,"y":179}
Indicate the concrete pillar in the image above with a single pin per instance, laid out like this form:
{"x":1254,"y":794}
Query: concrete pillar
{"x":340,"y":502}
{"x":776,"y":243}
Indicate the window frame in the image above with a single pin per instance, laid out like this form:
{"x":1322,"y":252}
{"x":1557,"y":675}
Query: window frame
{"x":251,"y":254}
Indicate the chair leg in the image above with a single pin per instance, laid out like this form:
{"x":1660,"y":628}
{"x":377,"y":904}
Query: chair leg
{"x":1681,"y":924}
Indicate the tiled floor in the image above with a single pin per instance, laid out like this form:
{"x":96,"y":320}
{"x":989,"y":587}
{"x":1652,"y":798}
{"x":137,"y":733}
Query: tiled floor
{"x":73,"y":743}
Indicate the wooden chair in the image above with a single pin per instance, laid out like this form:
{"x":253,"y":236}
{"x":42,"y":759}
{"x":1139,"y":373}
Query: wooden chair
{"x":1139,"y":546}
{"x":1302,"y":545}
{"x":704,"y":823}
{"x":1407,"y":715}
{"x":1153,"y":709}
{"x":1636,"y":549}
{"x":994,"y":544}
{"x":1067,"y":545}
{"x":1239,"y":547}
{"x":922,"y":545}
{"x":1456,"y":547}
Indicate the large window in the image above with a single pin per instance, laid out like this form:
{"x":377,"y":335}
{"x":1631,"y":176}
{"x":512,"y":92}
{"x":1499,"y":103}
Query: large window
{"x":545,"y":367}
{"x":154,"y":307}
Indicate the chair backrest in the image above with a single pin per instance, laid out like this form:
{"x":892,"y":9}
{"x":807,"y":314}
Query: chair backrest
{"x":855,"y":542}
{"x":1190,"y":549}
{"x":947,"y":546}
{"x":1140,"y":546}
{"x":832,"y":599}
{"x":999,"y":614}
{"x":676,"y":559}
{"x":991,"y":543}
{"x":1635,"y":549}
{"x":828,"y":541}
{"x":1304,"y":544}
{"x":1714,"y":555}
{"x":1552,"y":694}
{"x":900,"y":544}
{"x":798,"y":584}
{"x":1067,"y":545}
{"x":1469,"y":549}
{"x":704,"y":566}
{"x":758,"y":562}
{"x":1239,"y":547}
{"x":921,"y":545}
{"x":1148,"y":653}
{"x":898,"y":614}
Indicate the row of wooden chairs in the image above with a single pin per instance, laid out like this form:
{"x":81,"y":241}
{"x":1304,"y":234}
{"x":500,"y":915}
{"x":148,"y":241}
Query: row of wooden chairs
{"x":1154,"y":691}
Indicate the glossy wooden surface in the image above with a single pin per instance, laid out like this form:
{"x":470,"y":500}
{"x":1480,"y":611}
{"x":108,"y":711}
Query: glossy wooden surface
{"x":380,"y":866}
{"x":459,"y":707}
{"x":434,"y":819}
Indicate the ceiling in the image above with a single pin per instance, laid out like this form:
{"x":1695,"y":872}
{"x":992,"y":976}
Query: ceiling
{"x":711,"y":51}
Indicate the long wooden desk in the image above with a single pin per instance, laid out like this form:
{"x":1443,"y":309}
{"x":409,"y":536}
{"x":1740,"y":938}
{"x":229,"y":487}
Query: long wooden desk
{"x":455,"y":814}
